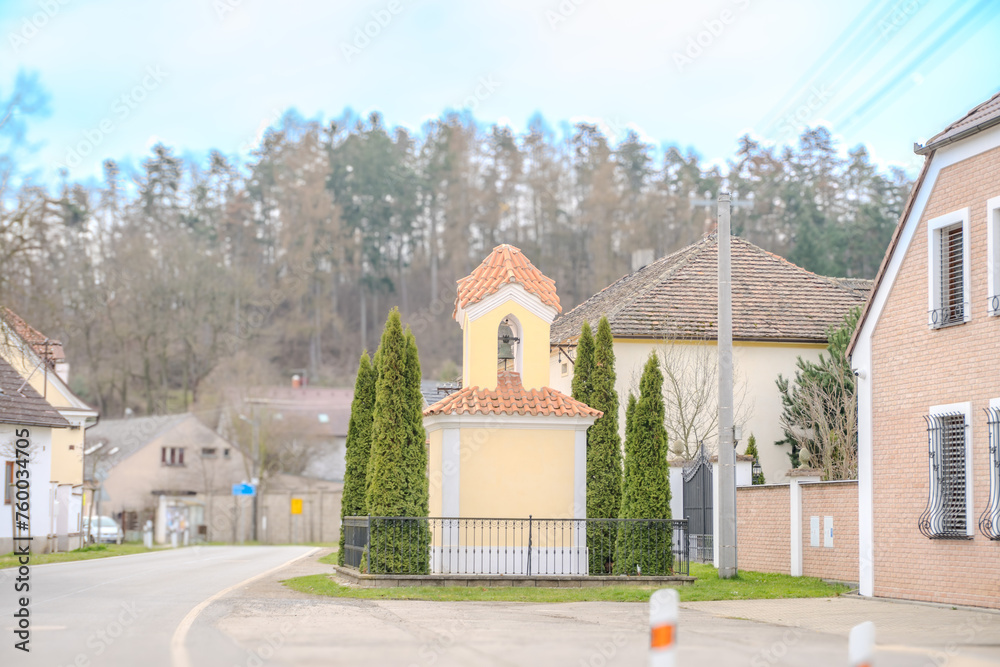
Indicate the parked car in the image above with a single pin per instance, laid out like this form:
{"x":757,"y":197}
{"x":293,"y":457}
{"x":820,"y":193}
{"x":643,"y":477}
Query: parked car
{"x":104,"y":531}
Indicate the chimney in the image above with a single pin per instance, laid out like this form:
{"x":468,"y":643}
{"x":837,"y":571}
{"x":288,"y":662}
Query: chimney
{"x":640,"y":258}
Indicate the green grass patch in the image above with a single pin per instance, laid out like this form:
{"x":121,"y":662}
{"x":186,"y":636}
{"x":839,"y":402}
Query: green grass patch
{"x":330,"y":558}
{"x":88,"y":552}
{"x":747,"y":586}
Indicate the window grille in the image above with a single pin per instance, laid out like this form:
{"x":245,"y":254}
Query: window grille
{"x":945,"y":516}
{"x":989,"y":520}
{"x":952,"y":286}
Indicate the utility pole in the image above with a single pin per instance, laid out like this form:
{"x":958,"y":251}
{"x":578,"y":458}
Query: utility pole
{"x":726,"y":530}
{"x":254,"y":467}
{"x":255,"y":475}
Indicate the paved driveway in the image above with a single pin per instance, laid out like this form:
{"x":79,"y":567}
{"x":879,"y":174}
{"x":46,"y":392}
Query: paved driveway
{"x":307,"y":630}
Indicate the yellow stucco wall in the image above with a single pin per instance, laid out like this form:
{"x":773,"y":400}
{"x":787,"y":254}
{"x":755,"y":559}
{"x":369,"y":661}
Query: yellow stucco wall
{"x":480,"y":347}
{"x":67,"y":455}
{"x":516,"y":472}
{"x":67,"y":443}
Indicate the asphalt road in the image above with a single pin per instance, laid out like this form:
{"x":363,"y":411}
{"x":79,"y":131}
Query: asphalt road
{"x":126,"y":611}
{"x":226,"y":607}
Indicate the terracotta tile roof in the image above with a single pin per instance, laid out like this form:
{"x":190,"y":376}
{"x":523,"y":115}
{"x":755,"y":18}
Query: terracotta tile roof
{"x":51,"y":352}
{"x":506,"y":264}
{"x":21,"y":404}
{"x":308,"y":411}
{"x":676,"y":297}
{"x":976,"y":120}
{"x":511,"y":398}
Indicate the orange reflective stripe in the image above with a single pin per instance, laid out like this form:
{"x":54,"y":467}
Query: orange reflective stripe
{"x":662,"y":636}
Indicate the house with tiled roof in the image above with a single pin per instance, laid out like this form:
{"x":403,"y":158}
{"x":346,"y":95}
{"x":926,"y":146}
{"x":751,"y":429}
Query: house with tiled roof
{"x":507,"y":443}
{"x":41,"y":363}
{"x":309,"y":423}
{"x":928,"y":389}
{"x":780,"y":312}
{"x":27,"y":422}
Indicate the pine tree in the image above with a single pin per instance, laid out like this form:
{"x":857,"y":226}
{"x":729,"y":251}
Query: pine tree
{"x":397,"y":478}
{"x":646,"y":548}
{"x":604,"y":458}
{"x":583,"y":365}
{"x":359,"y":442}
{"x":751,"y":450}
{"x":830,"y":381}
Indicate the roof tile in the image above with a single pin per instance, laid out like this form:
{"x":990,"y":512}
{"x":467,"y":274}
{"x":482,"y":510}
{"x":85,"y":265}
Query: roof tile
{"x":506,"y":264}
{"x":676,"y":297}
{"x":511,"y":398}
{"x":21,"y":404}
{"x":49,"y":350}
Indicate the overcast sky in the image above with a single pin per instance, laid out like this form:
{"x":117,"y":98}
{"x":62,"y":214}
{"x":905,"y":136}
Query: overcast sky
{"x":202,"y":74}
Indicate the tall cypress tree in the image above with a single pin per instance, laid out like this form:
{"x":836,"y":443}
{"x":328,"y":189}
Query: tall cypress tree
{"x":583,"y":365}
{"x":646,"y":548}
{"x":359,"y":442}
{"x":397,"y":481}
{"x":418,"y":436}
{"x":604,"y":458}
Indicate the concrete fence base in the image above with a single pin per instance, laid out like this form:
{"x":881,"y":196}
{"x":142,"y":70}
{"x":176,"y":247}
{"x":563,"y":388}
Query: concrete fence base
{"x":355,"y":578}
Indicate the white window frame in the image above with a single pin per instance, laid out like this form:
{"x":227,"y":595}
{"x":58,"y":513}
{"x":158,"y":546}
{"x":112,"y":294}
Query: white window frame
{"x":934,"y":228}
{"x":993,"y":256}
{"x":992,"y":509}
{"x":965,"y":409}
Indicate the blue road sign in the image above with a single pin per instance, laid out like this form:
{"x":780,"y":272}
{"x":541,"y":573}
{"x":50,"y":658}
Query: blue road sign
{"x":244,"y":490}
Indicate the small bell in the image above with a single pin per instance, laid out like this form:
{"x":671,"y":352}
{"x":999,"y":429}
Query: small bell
{"x":506,"y":340}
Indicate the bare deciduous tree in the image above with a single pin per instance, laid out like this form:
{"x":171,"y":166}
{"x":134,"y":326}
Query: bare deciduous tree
{"x":828,"y":421}
{"x":691,"y":393}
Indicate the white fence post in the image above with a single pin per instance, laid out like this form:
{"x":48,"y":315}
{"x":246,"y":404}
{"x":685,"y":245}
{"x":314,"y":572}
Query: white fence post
{"x":663,"y":612}
{"x":861,"y":645}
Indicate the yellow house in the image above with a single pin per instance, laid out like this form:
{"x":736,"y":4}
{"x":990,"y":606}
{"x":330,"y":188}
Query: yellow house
{"x":40,"y":360}
{"x":507,"y":445}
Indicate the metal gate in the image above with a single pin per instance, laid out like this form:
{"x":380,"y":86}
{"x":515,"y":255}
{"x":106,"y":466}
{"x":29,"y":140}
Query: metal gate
{"x":698,"y":506}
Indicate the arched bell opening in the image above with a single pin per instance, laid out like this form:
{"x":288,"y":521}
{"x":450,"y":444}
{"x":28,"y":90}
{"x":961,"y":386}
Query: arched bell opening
{"x":509,"y":356}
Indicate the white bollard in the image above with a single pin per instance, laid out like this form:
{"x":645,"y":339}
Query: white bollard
{"x":861,"y":645}
{"x":663,"y":612}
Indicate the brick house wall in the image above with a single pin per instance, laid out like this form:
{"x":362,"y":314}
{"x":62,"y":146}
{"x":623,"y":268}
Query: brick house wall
{"x":763,"y":518}
{"x":915,"y":367}
{"x":840,"y":501}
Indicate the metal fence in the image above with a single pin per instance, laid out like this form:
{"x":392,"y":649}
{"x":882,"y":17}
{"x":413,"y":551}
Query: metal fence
{"x":533,"y":547}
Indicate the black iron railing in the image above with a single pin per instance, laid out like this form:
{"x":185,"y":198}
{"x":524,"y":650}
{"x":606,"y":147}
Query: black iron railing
{"x":355,"y":541}
{"x":945,"y":515}
{"x":989,"y":520}
{"x":532,"y":547}
{"x":948,"y":315}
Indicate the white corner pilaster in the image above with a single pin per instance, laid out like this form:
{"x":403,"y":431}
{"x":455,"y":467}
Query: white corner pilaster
{"x":580,"y":475}
{"x":451,"y":478}
{"x":795,"y":498}
{"x":795,"y":514}
{"x":715,"y":514}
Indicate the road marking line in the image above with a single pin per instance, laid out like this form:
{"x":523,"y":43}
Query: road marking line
{"x":178,"y":651}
